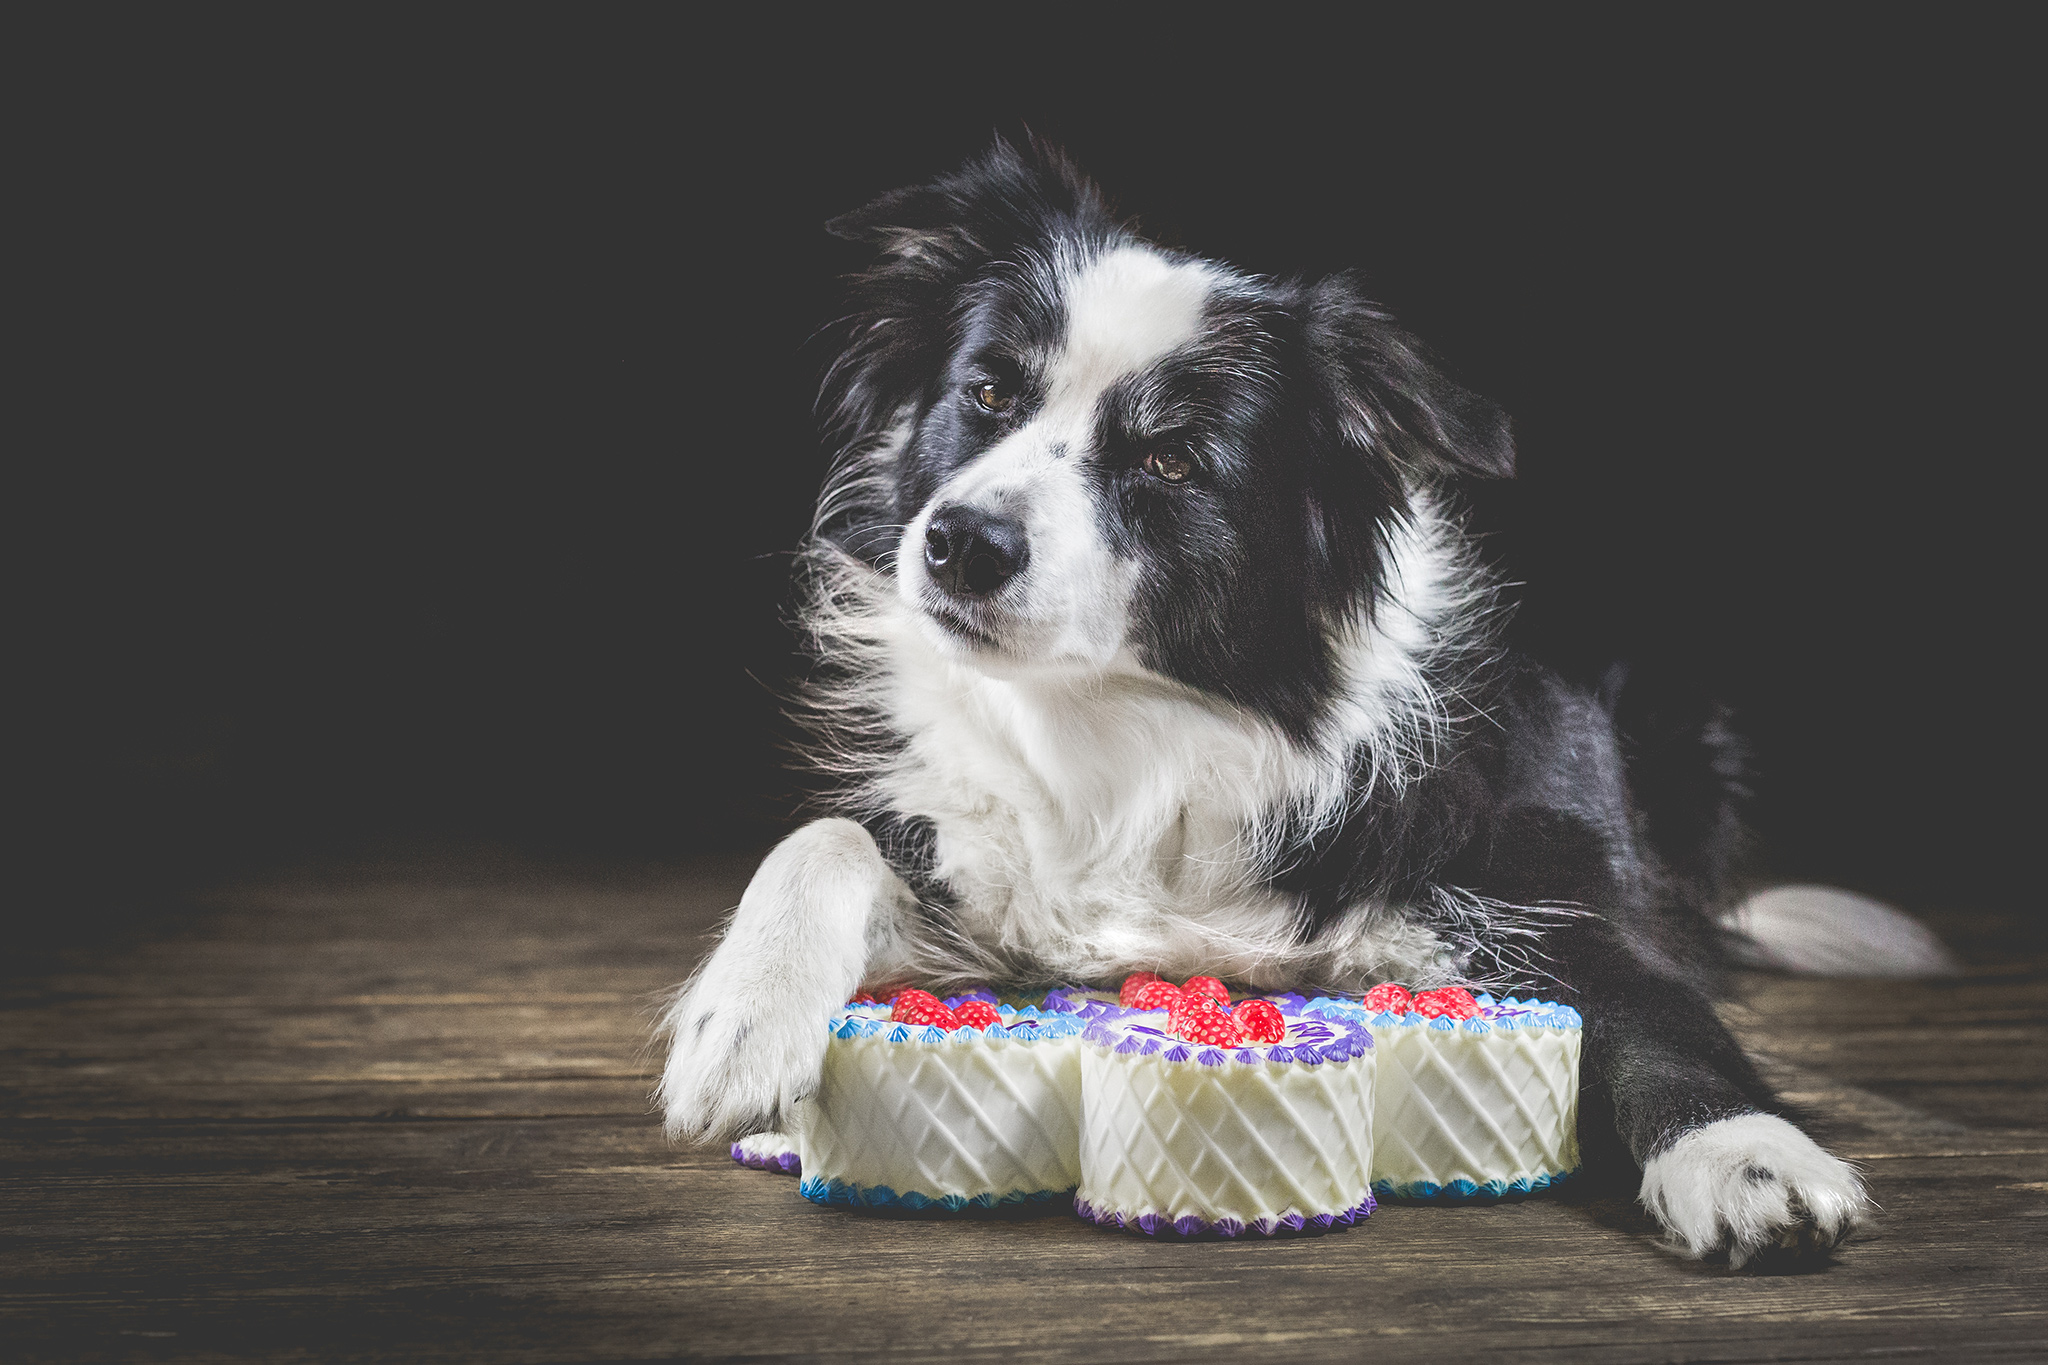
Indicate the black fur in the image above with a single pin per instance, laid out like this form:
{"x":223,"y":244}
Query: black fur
{"x":1307,"y":413}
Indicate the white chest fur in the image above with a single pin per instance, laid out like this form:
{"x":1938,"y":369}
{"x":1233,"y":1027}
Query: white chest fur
{"x":1093,"y":828}
{"x":1092,"y":822}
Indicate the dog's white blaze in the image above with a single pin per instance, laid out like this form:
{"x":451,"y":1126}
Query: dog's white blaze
{"x":1126,"y":308}
{"x":1070,"y":605}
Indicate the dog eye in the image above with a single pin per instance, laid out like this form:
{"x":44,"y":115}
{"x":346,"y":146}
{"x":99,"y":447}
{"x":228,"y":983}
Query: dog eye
{"x":1167,"y":467}
{"x":994,"y":397}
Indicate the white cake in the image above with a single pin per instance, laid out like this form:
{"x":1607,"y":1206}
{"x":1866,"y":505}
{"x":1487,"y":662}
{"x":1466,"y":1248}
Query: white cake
{"x":918,"y":1116}
{"x":1169,"y":1136}
{"x":1480,"y":1107}
{"x":1177,"y":1137}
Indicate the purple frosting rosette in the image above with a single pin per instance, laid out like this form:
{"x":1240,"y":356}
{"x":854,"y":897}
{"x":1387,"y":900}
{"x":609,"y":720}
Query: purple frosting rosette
{"x":1311,"y":1039}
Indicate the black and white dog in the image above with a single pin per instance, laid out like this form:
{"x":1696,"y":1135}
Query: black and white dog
{"x":1148,"y":638}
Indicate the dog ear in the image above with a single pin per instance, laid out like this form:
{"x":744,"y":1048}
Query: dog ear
{"x":961,"y":221}
{"x":916,"y":228}
{"x":1395,"y":397}
{"x":934,"y":239}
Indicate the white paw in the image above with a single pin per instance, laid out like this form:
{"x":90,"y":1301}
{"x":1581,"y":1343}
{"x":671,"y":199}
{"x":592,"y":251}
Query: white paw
{"x":747,"y":1036}
{"x":738,"y":1062}
{"x":1751,"y":1184}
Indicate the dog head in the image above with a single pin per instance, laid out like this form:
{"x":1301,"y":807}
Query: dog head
{"x":1080,"y":452}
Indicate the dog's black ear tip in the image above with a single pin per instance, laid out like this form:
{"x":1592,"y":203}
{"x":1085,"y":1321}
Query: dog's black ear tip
{"x":910,"y":208}
{"x":1487,"y":450}
{"x":870,"y":222}
{"x":1496,"y":453}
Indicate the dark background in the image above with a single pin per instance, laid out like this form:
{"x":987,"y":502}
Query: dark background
{"x":418,"y":414}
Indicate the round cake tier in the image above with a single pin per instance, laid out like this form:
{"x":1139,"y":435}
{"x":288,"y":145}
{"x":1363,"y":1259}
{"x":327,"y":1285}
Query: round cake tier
{"x":922,"y":1117}
{"x":1478,"y":1108}
{"x":1181,"y":1138}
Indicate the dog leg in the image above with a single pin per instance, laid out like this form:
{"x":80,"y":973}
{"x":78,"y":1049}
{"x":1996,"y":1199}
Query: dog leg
{"x":1723,"y":1174}
{"x":746,"y":1034}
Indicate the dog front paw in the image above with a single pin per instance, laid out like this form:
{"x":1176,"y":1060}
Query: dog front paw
{"x":1752,"y":1185}
{"x":737,"y":1066}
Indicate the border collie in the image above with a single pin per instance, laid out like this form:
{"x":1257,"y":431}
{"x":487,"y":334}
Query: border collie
{"x":1147,"y":636}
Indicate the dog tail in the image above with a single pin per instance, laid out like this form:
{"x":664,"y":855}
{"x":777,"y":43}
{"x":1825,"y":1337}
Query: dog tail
{"x":1690,"y":770}
{"x":1826,"y":931}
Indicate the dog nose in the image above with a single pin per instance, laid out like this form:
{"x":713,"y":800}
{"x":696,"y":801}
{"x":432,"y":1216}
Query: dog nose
{"x":971,"y":553}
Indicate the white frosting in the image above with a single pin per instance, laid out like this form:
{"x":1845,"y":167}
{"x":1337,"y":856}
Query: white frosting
{"x":1484,"y":1106}
{"x":1149,"y":1130}
{"x":950,"y":1118}
{"x":1169,"y":1138}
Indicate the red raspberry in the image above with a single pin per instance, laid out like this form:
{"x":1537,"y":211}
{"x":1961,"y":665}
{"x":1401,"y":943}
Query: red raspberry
{"x":1451,"y":1002}
{"x":1389,"y":999}
{"x":1156,"y":995}
{"x":883,"y":994}
{"x":1133,"y":983}
{"x":1260,"y":1020}
{"x":922,"y":1007}
{"x":1201,"y":1020}
{"x":976,"y":1014}
{"x":1209,"y":986}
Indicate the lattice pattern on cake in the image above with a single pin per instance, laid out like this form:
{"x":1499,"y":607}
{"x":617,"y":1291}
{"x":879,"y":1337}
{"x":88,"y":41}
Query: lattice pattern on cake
{"x":952,"y":1124}
{"x":1186,"y":1147}
{"x":1190,"y":1139}
{"x":1471,"y":1114}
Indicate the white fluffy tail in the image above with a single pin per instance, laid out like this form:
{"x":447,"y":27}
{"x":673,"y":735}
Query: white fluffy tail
{"x":1826,"y":931}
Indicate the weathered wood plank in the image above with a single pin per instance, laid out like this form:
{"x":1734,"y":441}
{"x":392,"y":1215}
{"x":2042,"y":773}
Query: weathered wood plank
{"x":1973,"y":1049}
{"x":529,"y":1241}
{"x":317,"y":1043}
{"x":465,"y":1098}
{"x":291,"y":942}
{"x":193,"y":1166}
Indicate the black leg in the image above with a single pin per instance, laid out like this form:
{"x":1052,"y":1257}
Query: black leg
{"x":1723,"y":1170}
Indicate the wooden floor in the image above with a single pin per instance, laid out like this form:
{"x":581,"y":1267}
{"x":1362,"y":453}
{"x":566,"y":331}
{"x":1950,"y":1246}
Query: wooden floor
{"x":402,"y":1113}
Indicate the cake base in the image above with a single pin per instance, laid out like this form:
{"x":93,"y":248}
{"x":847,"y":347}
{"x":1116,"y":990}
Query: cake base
{"x":820,"y":1190}
{"x":1465,"y":1191}
{"x":1193,"y":1225}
